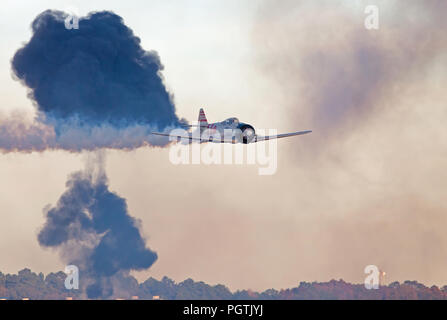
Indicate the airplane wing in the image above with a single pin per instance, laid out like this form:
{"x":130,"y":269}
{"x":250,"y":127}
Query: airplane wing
{"x":278,"y":136}
{"x":211,"y":139}
{"x":176,"y":136}
{"x":189,"y":125}
{"x":190,"y":138}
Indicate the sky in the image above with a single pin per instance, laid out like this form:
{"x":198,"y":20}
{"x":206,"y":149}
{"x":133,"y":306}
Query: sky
{"x":366,"y":187}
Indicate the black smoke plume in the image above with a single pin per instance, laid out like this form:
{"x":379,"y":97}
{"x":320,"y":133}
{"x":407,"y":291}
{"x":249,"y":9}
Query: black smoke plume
{"x":92,"y":229}
{"x":92,"y":87}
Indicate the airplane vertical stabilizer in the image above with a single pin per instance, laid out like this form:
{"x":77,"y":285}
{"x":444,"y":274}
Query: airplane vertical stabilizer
{"x":203,"y":122}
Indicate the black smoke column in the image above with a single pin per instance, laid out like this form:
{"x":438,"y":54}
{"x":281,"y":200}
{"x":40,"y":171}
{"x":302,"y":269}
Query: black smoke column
{"x":92,"y":229}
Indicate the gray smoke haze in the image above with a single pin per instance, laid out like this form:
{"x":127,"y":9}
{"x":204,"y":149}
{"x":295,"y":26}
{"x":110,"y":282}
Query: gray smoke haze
{"x":374,"y":167}
{"x":334,"y":72}
{"x":92,"y":229}
{"x":93,"y":87}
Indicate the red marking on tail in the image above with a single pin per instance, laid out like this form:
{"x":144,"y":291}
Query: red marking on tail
{"x":202,"y":118}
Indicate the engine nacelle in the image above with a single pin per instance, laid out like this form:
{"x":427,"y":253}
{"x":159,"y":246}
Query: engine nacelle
{"x":248,"y":133}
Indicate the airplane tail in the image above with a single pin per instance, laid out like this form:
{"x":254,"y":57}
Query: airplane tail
{"x":203,"y":122}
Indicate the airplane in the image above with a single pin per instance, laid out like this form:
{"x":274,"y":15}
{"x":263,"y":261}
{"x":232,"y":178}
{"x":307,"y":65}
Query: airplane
{"x":240,"y":132}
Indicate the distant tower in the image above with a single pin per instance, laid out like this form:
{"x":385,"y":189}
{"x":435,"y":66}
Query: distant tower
{"x":382,"y":275}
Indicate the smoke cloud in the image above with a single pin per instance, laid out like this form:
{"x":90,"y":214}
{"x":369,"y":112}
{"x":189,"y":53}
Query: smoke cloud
{"x":92,"y":229}
{"x":373,"y":168}
{"x":334,"y":72}
{"x":92,"y":87}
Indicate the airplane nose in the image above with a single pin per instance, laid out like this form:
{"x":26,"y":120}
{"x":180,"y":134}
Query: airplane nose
{"x":248,"y":133}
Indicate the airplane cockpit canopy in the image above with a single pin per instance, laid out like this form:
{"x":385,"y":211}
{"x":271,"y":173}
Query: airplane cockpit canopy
{"x":232,"y":121}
